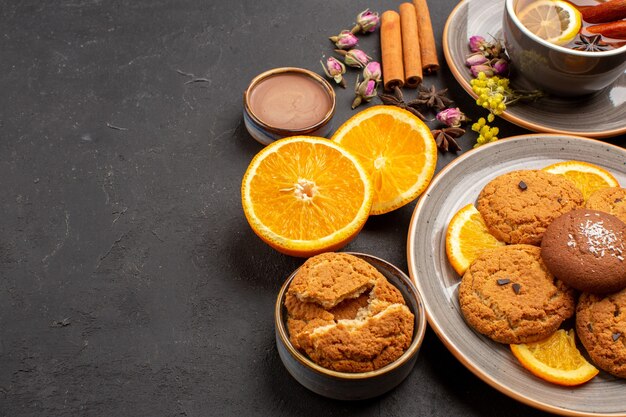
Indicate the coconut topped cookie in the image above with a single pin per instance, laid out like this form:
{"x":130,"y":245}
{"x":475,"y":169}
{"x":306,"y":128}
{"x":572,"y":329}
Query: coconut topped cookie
{"x":586,"y":250}
{"x":345,"y":315}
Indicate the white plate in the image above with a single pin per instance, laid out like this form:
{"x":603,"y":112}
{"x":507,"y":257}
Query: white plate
{"x":459,"y":184}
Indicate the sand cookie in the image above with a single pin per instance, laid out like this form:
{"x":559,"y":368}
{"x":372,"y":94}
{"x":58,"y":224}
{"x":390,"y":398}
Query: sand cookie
{"x":519,"y":205}
{"x":611,"y":200}
{"x":586,"y":250}
{"x":509,"y":295}
{"x":601,"y":327}
{"x":330,"y":278}
{"x":302,"y":312}
{"x":356,"y":331}
{"x":305,"y":316}
{"x":364,"y":343}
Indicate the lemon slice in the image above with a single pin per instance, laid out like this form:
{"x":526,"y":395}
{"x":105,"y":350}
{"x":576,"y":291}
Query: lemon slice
{"x":556,"y":21}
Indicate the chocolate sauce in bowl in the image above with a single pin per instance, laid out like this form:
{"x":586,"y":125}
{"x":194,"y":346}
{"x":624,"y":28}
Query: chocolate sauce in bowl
{"x":289,"y":101}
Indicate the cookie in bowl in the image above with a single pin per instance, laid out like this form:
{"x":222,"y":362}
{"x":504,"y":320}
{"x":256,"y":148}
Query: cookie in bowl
{"x":349,"y":326}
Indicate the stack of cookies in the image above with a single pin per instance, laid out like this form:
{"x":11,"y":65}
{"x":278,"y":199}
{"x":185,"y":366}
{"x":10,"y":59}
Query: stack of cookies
{"x":564,"y":256}
{"x":345,"y":316}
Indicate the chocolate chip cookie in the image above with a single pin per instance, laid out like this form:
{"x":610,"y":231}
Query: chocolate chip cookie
{"x":519,"y":205}
{"x":601,"y":327}
{"x":509,"y":295}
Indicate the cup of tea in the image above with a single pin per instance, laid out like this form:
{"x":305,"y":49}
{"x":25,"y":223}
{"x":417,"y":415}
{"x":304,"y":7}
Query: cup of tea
{"x":560,"y":63}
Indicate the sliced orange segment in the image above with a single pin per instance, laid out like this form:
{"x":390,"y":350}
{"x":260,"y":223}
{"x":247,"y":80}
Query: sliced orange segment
{"x":306,"y":195}
{"x":556,"y":21}
{"x":587,"y":177}
{"x":466,"y":237}
{"x":556,"y":359}
{"x":396,"y":148}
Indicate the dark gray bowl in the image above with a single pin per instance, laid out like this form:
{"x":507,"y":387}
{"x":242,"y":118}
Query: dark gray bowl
{"x":353,"y":386}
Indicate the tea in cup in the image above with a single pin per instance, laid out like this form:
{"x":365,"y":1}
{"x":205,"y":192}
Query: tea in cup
{"x":552,"y":45}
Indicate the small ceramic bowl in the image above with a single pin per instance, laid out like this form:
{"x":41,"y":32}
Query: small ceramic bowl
{"x":266,"y":132}
{"x":353,"y":386}
{"x":556,"y":69}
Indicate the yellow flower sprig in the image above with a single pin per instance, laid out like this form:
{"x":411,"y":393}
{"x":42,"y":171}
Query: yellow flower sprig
{"x":494,"y":94}
{"x":486,"y":133}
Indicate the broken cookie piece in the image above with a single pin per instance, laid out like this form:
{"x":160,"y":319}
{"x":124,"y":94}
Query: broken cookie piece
{"x":329,"y":278}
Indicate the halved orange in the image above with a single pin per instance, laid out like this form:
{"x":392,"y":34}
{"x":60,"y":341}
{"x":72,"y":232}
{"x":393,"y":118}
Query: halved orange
{"x":466,"y":237}
{"x":397,"y":150}
{"x":305,"y":195}
{"x":556,"y":359}
{"x":587,"y":177}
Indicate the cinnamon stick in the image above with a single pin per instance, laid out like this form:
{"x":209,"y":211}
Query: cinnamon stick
{"x":615,"y":30}
{"x":609,"y":11}
{"x":391,"y":50}
{"x":410,"y":46}
{"x":428,"y":48}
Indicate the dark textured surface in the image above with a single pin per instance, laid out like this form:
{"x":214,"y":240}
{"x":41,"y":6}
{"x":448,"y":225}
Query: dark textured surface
{"x":130,"y":282}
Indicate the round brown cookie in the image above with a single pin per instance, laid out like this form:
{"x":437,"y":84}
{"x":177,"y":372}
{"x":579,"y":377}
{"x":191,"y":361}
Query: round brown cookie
{"x":601,"y":327}
{"x":612,"y":200}
{"x":329,"y":278}
{"x":509,"y":295}
{"x":586,"y":250}
{"x":519,"y":205}
{"x":363,"y":344}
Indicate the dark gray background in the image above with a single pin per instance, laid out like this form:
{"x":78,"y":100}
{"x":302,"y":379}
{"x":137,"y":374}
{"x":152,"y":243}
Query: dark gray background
{"x":131,"y":284}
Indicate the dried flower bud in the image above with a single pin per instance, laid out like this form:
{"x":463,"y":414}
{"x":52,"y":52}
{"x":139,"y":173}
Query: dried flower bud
{"x":500,"y":66}
{"x":365,"y":91}
{"x":335,"y":69}
{"x":477,"y":58}
{"x":476,"y":43}
{"x":372,"y":71}
{"x":354,"y":57}
{"x":366,"y":21}
{"x":452,"y":117}
{"x":345,"y":40}
{"x":492,"y":50}
{"x":496,"y":49}
{"x":484,"y":68}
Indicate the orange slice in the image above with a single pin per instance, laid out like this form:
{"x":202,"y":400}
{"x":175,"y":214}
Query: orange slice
{"x":556,"y":359}
{"x":556,"y":21}
{"x":396,"y":148}
{"x":305,"y":195}
{"x":587,"y":177}
{"x":466,"y":237}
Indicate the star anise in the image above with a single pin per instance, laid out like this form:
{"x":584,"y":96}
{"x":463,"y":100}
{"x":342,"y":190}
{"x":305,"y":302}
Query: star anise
{"x":431,"y":98}
{"x":397,"y":99}
{"x":446,"y":138}
{"x":591,"y":43}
